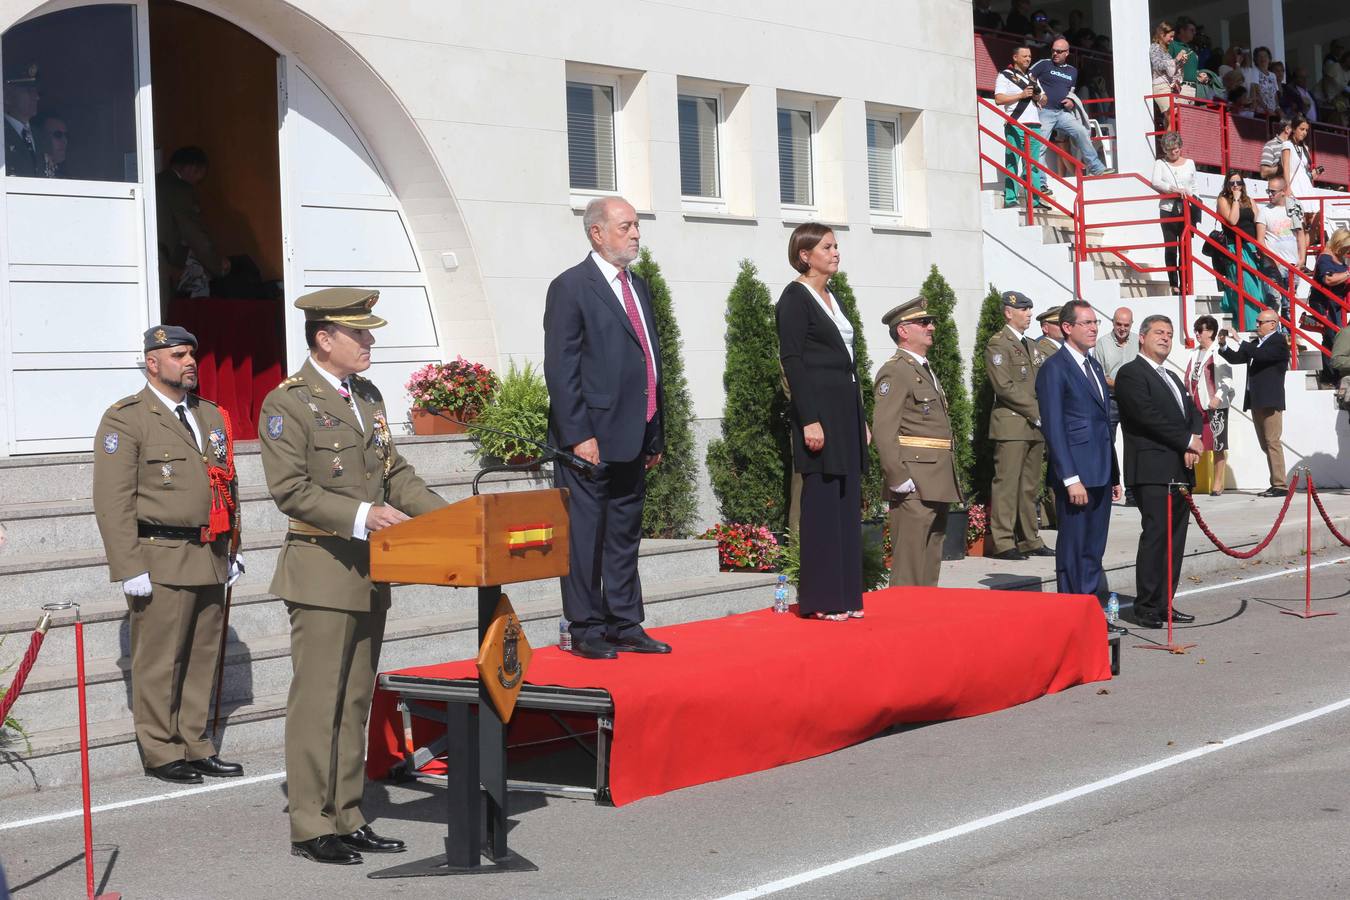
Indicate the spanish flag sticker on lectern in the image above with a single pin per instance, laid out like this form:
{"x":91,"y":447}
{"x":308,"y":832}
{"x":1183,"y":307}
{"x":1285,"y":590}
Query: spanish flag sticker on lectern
{"x":503,"y":659}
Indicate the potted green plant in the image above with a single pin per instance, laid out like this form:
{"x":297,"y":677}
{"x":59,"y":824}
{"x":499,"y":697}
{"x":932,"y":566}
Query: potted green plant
{"x":519,"y":406}
{"x":460,"y":389}
{"x":744,"y":548}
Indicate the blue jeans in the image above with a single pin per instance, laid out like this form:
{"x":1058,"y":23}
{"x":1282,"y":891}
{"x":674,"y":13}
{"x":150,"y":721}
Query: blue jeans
{"x":1063,"y":120}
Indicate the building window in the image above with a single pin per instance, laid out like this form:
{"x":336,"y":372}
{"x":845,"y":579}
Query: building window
{"x":700,"y":118}
{"x":883,"y":186}
{"x":795,"y":131}
{"x":590,"y":137}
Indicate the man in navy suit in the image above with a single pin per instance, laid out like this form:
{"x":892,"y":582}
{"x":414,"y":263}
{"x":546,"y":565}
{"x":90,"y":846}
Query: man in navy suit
{"x":1162,"y":428}
{"x":1071,"y":389}
{"x":603,"y":369}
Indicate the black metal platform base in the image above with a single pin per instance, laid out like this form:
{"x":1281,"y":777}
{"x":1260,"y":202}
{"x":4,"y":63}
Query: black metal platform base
{"x":436,"y":865}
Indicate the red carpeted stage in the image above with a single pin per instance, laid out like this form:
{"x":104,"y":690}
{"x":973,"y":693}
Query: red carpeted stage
{"x":749,"y":692}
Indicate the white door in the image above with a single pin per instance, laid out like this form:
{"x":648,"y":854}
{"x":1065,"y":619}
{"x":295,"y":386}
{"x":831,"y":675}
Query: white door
{"x":77,"y":254}
{"x":344,"y":227}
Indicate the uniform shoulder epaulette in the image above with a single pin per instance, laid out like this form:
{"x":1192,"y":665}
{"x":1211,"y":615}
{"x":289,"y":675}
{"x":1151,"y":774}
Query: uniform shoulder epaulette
{"x":292,"y":382}
{"x":127,"y":401}
{"x":201,"y":399}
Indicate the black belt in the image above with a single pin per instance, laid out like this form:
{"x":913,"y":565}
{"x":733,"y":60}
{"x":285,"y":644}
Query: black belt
{"x":172,"y":532}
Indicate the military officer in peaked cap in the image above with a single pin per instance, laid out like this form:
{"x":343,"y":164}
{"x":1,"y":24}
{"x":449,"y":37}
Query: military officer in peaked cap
{"x":1011,"y":360}
{"x":333,"y":469}
{"x":21,"y":104}
{"x":914,"y":441}
{"x":1052,"y":337}
{"x":165,"y":498}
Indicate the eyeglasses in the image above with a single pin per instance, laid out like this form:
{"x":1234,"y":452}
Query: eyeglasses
{"x":1086,"y":323}
{"x":1059,"y":50}
{"x":1237,"y":183}
{"x":1260,"y":322}
{"x":922,"y":321}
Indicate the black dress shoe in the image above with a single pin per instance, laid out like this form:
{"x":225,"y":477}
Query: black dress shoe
{"x":365,"y":840}
{"x":1010,"y":553}
{"x":176,"y":772}
{"x":639,"y":642}
{"x":1041,"y":551}
{"x":1113,"y":628}
{"x":1149,"y":622}
{"x":326,"y":849}
{"x":1183,"y":618}
{"x":593,"y":649}
{"x":1273,"y":492}
{"x":215,"y":767}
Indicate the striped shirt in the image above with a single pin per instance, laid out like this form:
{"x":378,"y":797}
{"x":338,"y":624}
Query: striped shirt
{"x":1270,"y":153}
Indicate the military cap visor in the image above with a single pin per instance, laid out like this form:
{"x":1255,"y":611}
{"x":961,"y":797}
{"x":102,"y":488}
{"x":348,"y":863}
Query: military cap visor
{"x":1016,"y":299}
{"x":22,"y":73}
{"x":342,"y":306}
{"x":157,"y":337}
{"x":906,"y":312}
{"x":1051,"y":313}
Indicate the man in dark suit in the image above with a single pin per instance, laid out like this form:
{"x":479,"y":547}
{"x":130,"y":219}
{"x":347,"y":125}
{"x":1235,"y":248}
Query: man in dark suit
{"x":1267,"y":359}
{"x":21,"y":103}
{"x":1071,"y":389}
{"x":603,"y":369}
{"x":1162,"y":443}
{"x":179,"y":217}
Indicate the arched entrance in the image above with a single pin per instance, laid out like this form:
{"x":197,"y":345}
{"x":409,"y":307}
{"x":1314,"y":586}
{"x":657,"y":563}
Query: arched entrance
{"x":358,"y":199}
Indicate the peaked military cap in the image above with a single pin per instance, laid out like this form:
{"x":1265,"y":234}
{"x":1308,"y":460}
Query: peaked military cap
{"x":21,"y":73}
{"x":1016,"y":299}
{"x":342,"y":306}
{"x":1051,"y":314}
{"x":157,"y":337}
{"x":906,"y":312}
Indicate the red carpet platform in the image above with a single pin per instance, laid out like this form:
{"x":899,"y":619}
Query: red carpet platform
{"x":749,"y":692}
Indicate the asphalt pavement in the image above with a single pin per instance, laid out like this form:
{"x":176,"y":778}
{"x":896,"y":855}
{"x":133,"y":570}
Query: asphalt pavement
{"x":1188,"y":776}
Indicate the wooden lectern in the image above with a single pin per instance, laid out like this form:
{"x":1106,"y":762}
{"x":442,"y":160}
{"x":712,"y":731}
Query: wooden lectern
{"x":483,"y":541}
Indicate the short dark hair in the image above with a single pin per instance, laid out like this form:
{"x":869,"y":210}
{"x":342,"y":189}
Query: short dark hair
{"x":804,"y":238}
{"x":1019,"y":48}
{"x":1207,"y":323}
{"x":1183,"y":21}
{"x":1150,"y":321}
{"x":1068,"y":313}
{"x":188,"y":156}
{"x":43,"y":117}
{"x":312,"y":330}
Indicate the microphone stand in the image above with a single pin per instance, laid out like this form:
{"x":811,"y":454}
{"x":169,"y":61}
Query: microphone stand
{"x":550,"y":454}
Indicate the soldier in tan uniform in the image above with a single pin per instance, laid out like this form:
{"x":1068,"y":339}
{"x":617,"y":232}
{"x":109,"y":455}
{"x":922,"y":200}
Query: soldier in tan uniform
{"x":1011,"y":361}
{"x":332,"y":467}
{"x":1052,"y":336}
{"x":163,"y":461}
{"x":914,"y":442}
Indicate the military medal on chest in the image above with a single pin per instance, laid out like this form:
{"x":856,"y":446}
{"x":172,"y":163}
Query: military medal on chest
{"x":166,"y":472}
{"x":337,"y":466}
{"x":384,"y":441}
{"x":217,"y":441}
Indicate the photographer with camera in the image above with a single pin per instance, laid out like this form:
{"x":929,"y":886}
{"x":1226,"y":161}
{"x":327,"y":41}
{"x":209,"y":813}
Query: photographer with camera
{"x":1021,"y":96}
{"x":1060,"y":111}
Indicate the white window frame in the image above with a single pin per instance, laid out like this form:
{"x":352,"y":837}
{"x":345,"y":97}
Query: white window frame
{"x":797,"y":211}
{"x":598,"y":78}
{"x":887,"y":217}
{"x":696,"y":203}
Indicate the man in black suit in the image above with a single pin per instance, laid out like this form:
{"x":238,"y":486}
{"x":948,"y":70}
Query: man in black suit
{"x":1162,"y":443}
{"x":21,"y":103}
{"x":1267,"y":359}
{"x":603,"y":369}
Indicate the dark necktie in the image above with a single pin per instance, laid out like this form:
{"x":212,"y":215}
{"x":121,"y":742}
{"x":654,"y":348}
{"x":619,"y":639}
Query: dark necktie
{"x":182,"y":417}
{"x":1026,"y":345}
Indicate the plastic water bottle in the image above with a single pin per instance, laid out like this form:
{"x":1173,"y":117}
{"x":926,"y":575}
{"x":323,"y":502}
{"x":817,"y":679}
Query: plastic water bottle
{"x":1113,"y":608}
{"x":780,"y":595}
{"x":564,"y":634}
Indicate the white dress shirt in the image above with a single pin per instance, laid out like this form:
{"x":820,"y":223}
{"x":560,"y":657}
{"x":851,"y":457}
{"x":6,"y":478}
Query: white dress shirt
{"x":172,"y":407}
{"x":359,"y":524}
{"x":1171,"y":385}
{"x":836,"y":315}
{"x":1081,"y":361}
{"x":611,"y":275}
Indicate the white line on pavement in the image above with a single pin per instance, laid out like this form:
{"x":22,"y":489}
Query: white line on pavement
{"x":1026,"y":809}
{"x":1293,"y":571}
{"x":139,"y":801}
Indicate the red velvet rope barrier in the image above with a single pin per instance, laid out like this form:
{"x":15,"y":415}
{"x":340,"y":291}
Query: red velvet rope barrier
{"x":1322,"y":510}
{"x":1265,"y":542}
{"x":29,"y":658}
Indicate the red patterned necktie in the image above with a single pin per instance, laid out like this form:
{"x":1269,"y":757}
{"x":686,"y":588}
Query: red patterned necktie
{"x":630,"y":305}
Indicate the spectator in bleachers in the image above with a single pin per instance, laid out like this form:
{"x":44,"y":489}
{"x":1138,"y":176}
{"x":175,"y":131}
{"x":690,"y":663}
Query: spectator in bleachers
{"x":1237,"y":213}
{"x":1174,"y":174}
{"x":1271,"y":164}
{"x":1165,"y":66}
{"x":1209,"y":57}
{"x":1018,"y":20}
{"x":1209,"y":380}
{"x":1263,"y":85}
{"x":1058,"y":79}
{"x":1191,"y":77}
{"x":1021,"y":96}
{"x":1298,"y":171}
{"x":1333,"y":274}
{"x":1284,"y":236}
{"x":1297,"y":99}
{"x":1240,"y":102}
{"x":1043,"y":31}
{"x":985,"y":17}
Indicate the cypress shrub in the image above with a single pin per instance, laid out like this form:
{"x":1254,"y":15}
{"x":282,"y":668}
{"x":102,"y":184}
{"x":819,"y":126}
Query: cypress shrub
{"x":749,"y":465}
{"x":945,"y":358}
{"x":672,"y":503}
{"x":982,"y":472}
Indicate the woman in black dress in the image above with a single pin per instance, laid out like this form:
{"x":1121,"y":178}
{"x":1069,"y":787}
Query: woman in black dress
{"x":829,"y":436}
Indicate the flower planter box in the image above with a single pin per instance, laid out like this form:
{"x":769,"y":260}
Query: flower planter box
{"x":424,"y":422}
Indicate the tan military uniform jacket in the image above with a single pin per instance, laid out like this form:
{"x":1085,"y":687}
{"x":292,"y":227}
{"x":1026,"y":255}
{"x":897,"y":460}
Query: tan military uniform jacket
{"x":1012,"y":374}
{"x":321,"y":465}
{"x":1048,"y":346}
{"x":147,"y":469}
{"x":910,"y":403}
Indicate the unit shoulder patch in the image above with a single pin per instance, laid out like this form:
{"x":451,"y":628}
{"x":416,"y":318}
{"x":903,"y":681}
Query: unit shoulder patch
{"x":997,"y":359}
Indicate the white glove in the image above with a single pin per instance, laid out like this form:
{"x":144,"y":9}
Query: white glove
{"x":236,"y":569}
{"x":138,"y":586}
{"x":905,"y":488}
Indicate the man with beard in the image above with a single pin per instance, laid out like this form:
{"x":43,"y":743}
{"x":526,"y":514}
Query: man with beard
{"x":163,"y":464}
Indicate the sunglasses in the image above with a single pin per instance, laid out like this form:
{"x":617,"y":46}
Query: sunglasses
{"x":1235,"y":183}
{"x":922,"y":321}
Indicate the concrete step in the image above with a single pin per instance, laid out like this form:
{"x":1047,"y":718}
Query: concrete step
{"x":27,"y":580}
{"x":69,"y":476}
{"x":254,"y":719}
{"x":55,"y":526}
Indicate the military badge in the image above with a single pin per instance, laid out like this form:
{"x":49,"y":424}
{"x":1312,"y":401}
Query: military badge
{"x":927,"y":408}
{"x":1024,"y":370}
{"x":217,"y":440}
{"x":160,"y":336}
{"x":274,"y":427}
{"x":337,"y":467}
{"x":166,"y":472}
{"x":884,"y":388}
{"x":997,"y":359}
{"x":110,"y":442}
